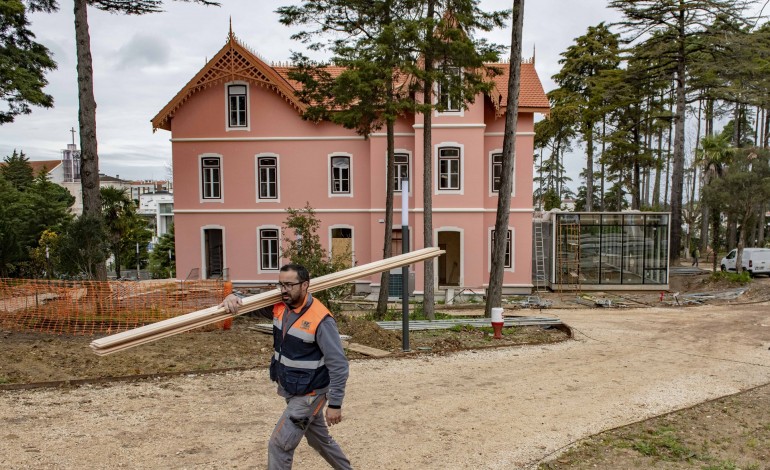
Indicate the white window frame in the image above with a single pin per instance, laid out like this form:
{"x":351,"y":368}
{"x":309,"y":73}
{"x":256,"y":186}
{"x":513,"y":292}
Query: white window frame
{"x":330,"y":180}
{"x":352,"y":239}
{"x":279,"y":254}
{"x":258,"y":181}
{"x":493,"y":192}
{"x":228,"y":126}
{"x":437,"y":165}
{"x":460,"y":111}
{"x":204,"y":273}
{"x":201,"y":194}
{"x":510,"y":268}
{"x":408,"y":170}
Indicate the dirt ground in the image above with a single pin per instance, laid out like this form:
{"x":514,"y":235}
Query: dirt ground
{"x":502,"y":407}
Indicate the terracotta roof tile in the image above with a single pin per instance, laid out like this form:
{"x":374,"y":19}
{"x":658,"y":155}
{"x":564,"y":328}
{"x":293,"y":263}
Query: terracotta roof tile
{"x":531,"y":94}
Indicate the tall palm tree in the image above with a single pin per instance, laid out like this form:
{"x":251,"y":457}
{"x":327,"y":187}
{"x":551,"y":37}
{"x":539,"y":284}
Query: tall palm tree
{"x":714,"y":156}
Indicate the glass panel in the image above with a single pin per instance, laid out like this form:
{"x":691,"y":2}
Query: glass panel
{"x":612,"y":219}
{"x":590,"y":219}
{"x":590,"y":242}
{"x":611,"y":258}
{"x":635,"y":219}
{"x":656,"y":252}
{"x":657,"y":219}
{"x":633,"y":253}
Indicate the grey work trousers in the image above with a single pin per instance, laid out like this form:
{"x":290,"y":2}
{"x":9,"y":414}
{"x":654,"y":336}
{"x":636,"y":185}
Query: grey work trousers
{"x":303,"y":416}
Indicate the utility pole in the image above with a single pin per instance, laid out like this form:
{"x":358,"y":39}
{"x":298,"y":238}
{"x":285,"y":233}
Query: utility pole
{"x":405,"y":268}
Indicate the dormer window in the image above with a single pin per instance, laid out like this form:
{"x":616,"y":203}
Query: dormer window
{"x":449,"y":98}
{"x":236,"y":106}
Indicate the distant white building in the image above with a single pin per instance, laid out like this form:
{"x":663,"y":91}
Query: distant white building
{"x":158,"y":207}
{"x":149,"y":187}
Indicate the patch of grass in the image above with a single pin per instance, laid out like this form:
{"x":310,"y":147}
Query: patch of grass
{"x":393,"y":314}
{"x":662,"y":443}
{"x":4,"y":380}
{"x":736,"y":278}
{"x":724,"y":465}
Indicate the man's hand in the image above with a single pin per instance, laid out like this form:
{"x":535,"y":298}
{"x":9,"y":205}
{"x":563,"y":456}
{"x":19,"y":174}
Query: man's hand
{"x":231,"y":303}
{"x":333,"y":416}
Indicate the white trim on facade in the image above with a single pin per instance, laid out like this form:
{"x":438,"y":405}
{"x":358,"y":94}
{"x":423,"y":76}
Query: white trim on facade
{"x":452,"y":126}
{"x":266,"y":139}
{"x":502,"y":134}
{"x":259,"y":249}
{"x":436,"y":149}
{"x":247,"y":127}
{"x":221,"y":158}
{"x":473,"y":210}
{"x":277,"y":177}
{"x":329,"y":174}
{"x":513,"y":249}
{"x":395,"y":134}
{"x":204,"y":274}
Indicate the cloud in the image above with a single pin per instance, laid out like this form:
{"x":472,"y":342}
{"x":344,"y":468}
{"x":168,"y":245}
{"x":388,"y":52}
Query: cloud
{"x":141,"y":51}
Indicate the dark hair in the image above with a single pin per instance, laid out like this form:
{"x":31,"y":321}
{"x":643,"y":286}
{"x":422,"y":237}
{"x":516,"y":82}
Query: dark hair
{"x":302,"y":274}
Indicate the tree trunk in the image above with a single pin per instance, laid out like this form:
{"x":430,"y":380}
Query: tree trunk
{"x":677,"y":177}
{"x":387,"y":252}
{"x":715,"y":223}
{"x":732,"y":232}
{"x":590,"y":168}
{"x":89,"y":158}
{"x":428,"y":301}
{"x":495,"y":291}
{"x":636,"y":184}
{"x":658,"y":170}
{"x":604,"y":135}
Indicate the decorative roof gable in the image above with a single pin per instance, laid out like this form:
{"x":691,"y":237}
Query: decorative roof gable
{"x":233,"y":62}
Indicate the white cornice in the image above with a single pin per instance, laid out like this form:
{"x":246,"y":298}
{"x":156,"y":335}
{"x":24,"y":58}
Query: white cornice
{"x":452,"y":126}
{"x":440,"y":210}
{"x":266,"y":139}
{"x":502,"y":134}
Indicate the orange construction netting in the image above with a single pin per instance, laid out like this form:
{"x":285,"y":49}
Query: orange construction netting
{"x":93,"y":307}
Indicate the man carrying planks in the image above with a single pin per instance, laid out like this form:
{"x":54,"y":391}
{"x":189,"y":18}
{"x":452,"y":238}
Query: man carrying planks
{"x":310,"y":367}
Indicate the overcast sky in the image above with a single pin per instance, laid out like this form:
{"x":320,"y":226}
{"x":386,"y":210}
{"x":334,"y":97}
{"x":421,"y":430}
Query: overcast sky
{"x":140,"y":63}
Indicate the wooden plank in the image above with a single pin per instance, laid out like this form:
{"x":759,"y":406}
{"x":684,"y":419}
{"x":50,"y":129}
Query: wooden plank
{"x":365,"y":350}
{"x":173,"y":326}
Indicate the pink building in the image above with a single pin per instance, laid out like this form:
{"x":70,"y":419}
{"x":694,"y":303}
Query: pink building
{"x":242,"y":154}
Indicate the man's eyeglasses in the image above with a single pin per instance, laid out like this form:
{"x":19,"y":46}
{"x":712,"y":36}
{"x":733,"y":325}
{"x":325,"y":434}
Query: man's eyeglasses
{"x":288,"y":285}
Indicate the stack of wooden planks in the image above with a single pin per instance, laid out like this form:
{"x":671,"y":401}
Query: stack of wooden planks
{"x":172,"y":326}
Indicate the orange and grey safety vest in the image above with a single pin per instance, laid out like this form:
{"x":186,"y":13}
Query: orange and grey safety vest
{"x":298,"y":363}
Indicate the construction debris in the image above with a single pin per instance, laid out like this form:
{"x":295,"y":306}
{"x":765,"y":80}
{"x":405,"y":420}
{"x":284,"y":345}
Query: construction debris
{"x":418,"y":325}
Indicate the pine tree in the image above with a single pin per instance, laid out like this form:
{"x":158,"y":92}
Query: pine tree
{"x":23,"y":64}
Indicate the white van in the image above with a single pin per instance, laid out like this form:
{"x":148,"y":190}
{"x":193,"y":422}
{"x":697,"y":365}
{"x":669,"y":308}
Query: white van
{"x":755,"y":260}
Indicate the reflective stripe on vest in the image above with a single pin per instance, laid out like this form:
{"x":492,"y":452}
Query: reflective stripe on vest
{"x":312,"y":365}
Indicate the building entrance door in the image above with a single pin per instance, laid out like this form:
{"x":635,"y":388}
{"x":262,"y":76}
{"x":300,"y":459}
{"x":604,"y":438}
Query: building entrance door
{"x":449,"y":264}
{"x":213,"y":253}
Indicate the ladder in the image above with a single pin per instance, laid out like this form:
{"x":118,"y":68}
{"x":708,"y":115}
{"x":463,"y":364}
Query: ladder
{"x":568,"y":252}
{"x":540,"y":280}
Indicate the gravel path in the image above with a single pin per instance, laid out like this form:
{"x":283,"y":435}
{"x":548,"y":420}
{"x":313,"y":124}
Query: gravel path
{"x":493,"y":409}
